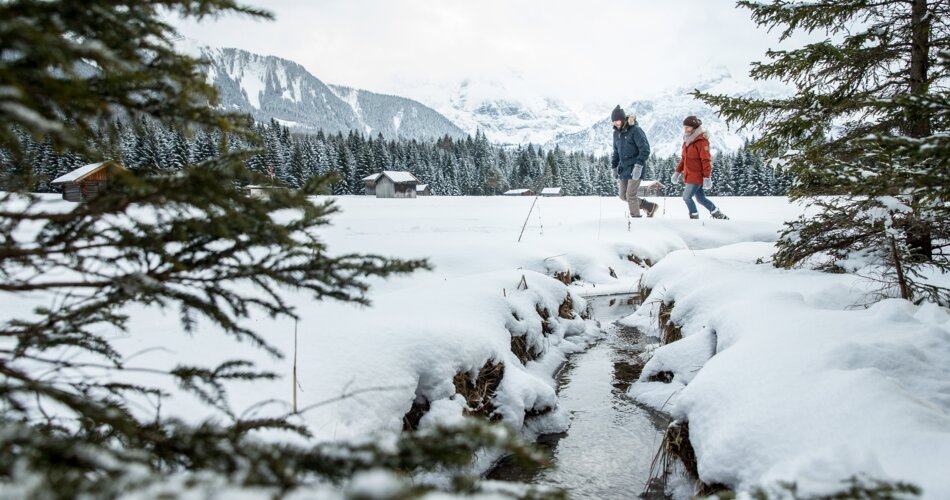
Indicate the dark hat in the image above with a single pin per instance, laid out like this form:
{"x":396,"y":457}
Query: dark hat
{"x":692,"y":121}
{"x":617,"y":114}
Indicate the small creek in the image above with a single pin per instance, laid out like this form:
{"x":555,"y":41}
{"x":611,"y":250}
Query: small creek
{"x":608,"y":449}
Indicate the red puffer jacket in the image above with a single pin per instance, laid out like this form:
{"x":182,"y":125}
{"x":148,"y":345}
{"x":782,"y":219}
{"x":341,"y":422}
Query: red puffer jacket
{"x":696,"y":160}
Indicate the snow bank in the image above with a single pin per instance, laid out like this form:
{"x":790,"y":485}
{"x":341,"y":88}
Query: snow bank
{"x":361,"y":369}
{"x":800,"y":381}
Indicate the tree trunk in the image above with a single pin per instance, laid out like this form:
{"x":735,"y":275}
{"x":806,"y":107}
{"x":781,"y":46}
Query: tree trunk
{"x":918,"y":233}
{"x":919,"y":121}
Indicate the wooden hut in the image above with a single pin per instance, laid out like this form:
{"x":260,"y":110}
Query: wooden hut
{"x":519,"y":192}
{"x":369,"y":184}
{"x":85,"y":183}
{"x":391,"y":184}
{"x":549,"y":192}
{"x":423,"y":190}
{"x":262,"y":192}
{"x":651,"y":188}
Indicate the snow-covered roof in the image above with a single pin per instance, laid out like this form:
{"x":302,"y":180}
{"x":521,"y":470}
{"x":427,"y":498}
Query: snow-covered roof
{"x":551,"y":191}
{"x":399,"y":177}
{"x":422,"y":187}
{"x":81,"y":172}
{"x":517,"y":191}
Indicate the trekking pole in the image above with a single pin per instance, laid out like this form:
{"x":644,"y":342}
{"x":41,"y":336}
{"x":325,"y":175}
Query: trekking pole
{"x":526,"y":219}
{"x":537,"y":194}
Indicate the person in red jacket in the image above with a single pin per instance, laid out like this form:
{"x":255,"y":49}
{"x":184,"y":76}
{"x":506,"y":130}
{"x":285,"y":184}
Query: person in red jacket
{"x":695,"y":168}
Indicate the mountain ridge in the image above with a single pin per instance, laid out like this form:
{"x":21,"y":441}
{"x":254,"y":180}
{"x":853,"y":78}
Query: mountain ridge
{"x":270,"y":87}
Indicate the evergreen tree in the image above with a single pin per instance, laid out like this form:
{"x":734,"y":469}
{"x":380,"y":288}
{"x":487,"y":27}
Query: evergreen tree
{"x":859,"y":102}
{"x":69,"y":406}
{"x":606,"y":184}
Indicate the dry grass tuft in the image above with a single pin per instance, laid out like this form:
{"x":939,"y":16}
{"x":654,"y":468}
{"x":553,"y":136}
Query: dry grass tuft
{"x":640,"y":262}
{"x":676,"y":447}
{"x":547,"y":327}
{"x":519,"y":346}
{"x":566,"y":310}
{"x":643,"y":293}
{"x":410,"y":421}
{"x":565,"y":277}
{"x":480,"y":392}
{"x":670,"y":332}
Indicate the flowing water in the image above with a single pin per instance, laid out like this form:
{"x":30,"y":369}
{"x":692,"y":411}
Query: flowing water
{"x":608,"y":449}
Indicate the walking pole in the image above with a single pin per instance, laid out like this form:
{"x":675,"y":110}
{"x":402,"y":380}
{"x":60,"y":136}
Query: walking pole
{"x":526,"y":219}
{"x":537,"y":194}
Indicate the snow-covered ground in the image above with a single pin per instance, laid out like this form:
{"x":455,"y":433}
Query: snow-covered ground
{"x":798,"y":376}
{"x":423,"y":329}
{"x":808,"y":385}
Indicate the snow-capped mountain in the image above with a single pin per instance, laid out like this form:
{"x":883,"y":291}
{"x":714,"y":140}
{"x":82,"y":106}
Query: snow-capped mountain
{"x":511,"y":113}
{"x":509,"y":110}
{"x":269,"y":87}
{"x":661,"y":118}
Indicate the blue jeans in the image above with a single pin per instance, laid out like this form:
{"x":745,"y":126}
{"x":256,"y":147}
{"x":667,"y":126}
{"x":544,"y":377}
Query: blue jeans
{"x":696,"y":190}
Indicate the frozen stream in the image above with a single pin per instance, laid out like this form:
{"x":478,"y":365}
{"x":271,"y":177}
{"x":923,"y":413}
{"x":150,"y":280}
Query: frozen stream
{"x":608,"y":449}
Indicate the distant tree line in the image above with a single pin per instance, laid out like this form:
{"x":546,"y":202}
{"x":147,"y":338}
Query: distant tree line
{"x":452,"y":167}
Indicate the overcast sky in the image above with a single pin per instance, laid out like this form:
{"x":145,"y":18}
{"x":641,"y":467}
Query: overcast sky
{"x":577,"y":50}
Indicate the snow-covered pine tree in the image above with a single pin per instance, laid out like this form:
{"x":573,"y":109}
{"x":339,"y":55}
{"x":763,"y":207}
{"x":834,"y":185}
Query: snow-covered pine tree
{"x":346,"y":163}
{"x":858,"y":95}
{"x":720,"y":176}
{"x":80,"y":425}
{"x":606,"y":183}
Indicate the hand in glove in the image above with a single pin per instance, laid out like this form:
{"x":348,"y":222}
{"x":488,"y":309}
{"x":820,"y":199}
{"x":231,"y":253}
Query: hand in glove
{"x":707,"y":183}
{"x":637,"y":171}
{"x":676,"y":178}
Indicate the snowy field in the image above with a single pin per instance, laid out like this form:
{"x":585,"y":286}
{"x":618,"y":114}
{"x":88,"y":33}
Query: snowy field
{"x":782,"y":375}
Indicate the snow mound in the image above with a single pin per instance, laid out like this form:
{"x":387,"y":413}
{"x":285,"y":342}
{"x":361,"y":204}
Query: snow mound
{"x":805,"y":383}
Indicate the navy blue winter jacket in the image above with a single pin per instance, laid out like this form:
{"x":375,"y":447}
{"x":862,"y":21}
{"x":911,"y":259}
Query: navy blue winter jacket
{"x":630,"y":148}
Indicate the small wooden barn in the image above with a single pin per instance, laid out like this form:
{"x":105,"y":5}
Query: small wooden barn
{"x":651,"y":188}
{"x":423,"y":190}
{"x":391,"y":184}
{"x":519,"y":192}
{"x":550,"y":192}
{"x":369,"y":184}
{"x":262,"y":192}
{"x":85,"y":183}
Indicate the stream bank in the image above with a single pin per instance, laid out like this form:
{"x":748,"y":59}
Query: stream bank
{"x":609,"y":447}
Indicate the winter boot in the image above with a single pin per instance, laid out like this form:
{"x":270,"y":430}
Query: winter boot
{"x":652,"y":210}
{"x":717,"y":214}
{"x":693,"y":216}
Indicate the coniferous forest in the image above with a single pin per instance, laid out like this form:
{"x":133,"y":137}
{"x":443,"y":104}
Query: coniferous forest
{"x":451,"y":167}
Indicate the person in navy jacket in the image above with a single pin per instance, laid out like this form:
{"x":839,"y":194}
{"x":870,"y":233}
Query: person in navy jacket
{"x":631,"y":150}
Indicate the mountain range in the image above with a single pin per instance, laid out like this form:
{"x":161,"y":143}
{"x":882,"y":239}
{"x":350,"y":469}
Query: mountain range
{"x":268,"y":87}
{"x":509,"y":113}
